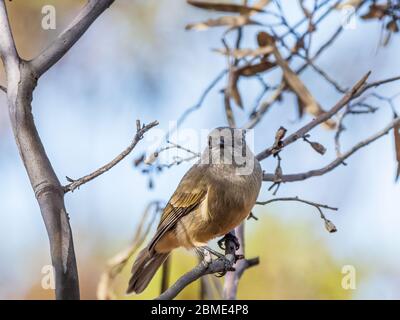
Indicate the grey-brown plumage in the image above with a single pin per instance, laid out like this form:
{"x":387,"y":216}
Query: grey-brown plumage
{"x":213,"y":197}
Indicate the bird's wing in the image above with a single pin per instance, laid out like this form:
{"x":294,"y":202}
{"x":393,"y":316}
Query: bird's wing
{"x":190,"y":192}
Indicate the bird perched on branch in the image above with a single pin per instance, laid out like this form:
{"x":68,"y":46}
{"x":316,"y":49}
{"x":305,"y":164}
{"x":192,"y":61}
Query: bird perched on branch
{"x":213,"y":197}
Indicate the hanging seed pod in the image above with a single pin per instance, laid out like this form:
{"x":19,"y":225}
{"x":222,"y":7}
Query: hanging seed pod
{"x":278,"y":173}
{"x":264,"y":39}
{"x":280,"y":134}
{"x":392,"y":26}
{"x":318,"y":147}
{"x":151,"y":158}
{"x":330,"y":226}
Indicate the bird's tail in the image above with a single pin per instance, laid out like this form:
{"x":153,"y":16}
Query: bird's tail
{"x":144,"y":268}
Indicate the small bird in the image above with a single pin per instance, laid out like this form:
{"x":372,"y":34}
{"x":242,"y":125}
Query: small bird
{"x":213,"y":197}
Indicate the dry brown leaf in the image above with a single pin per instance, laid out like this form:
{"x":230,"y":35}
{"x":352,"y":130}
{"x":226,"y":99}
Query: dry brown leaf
{"x":392,"y":26}
{"x":230,"y":21}
{"x":386,"y":38}
{"x":242,"y":53}
{"x":318,"y":147}
{"x":376,"y":11}
{"x":305,"y":97}
{"x":279,"y":135}
{"x":233,"y":91}
{"x":300,"y":107}
{"x":224,"y":7}
{"x":246,"y":71}
{"x":396,"y":131}
{"x":264,"y":39}
{"x":251,"y":70}
{"x":261,"y":4}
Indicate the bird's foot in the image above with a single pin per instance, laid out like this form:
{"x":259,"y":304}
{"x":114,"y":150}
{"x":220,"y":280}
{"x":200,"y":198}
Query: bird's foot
{"x":207,"y":259}
{"x":229,"y":237}
{"x":206,"y":254}
{"x":215,"y":253}
{"x":228,"y":267}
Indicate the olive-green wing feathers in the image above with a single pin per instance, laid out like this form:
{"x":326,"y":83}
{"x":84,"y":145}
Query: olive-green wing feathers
{"x":191,"y":191}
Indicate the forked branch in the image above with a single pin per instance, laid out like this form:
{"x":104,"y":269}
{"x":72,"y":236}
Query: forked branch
{"x":60,"y":46}
{"x":140,"y":131}
{"x":335,"y":163}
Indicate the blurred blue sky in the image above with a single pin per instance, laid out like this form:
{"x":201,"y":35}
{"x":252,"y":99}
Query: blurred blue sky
{"x":86,"y":106}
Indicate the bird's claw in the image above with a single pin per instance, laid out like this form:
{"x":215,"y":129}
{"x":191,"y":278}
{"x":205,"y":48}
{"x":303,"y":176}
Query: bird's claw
{"x":206,"y":254}
{"x":228,"y":267}
{"x":207,"y":259}
{"x":238,"y":257}
{"x":229,"y":237}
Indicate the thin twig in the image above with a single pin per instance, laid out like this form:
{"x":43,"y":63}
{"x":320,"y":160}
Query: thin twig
{"x":265,"y":106}
{"x":178,"y":146}
{"x":255,"y":117}
{"x":228,"y":110}
{"x":231,"y":78}
{"x":22,"y":77}
{"x":327,"y":77}
{"x":140,"y":131}
{"x":338,"y":161}
{"x":359,"y":88}
{"x":198,"y":104}
{"x":328,"y":224}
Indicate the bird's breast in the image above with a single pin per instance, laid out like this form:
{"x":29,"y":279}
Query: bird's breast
{"x":227,"y":204}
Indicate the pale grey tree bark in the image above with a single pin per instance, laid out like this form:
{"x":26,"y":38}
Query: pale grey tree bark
{"x":22,"y":77}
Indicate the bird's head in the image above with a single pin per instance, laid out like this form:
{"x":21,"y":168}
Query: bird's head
{"x":226,"y":145}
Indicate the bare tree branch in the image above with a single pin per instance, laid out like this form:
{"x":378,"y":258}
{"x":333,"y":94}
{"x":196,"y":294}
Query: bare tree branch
{"x":265,"y":106}
{"x":301,"y":49}
{"x":200,"y":270}
{"x":328,"y":224}
{"x":337,"y":161}
{"x":359,"y":88}
{"x":22,"y":78}
{"x":378,"y":83}
{"x":232,"y":278}
{"x":140,"y":131}
{"x":59,"y":47}
{"x":220,"y":265}
{"x":8,"y":51}
{"x":45,"y":184}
